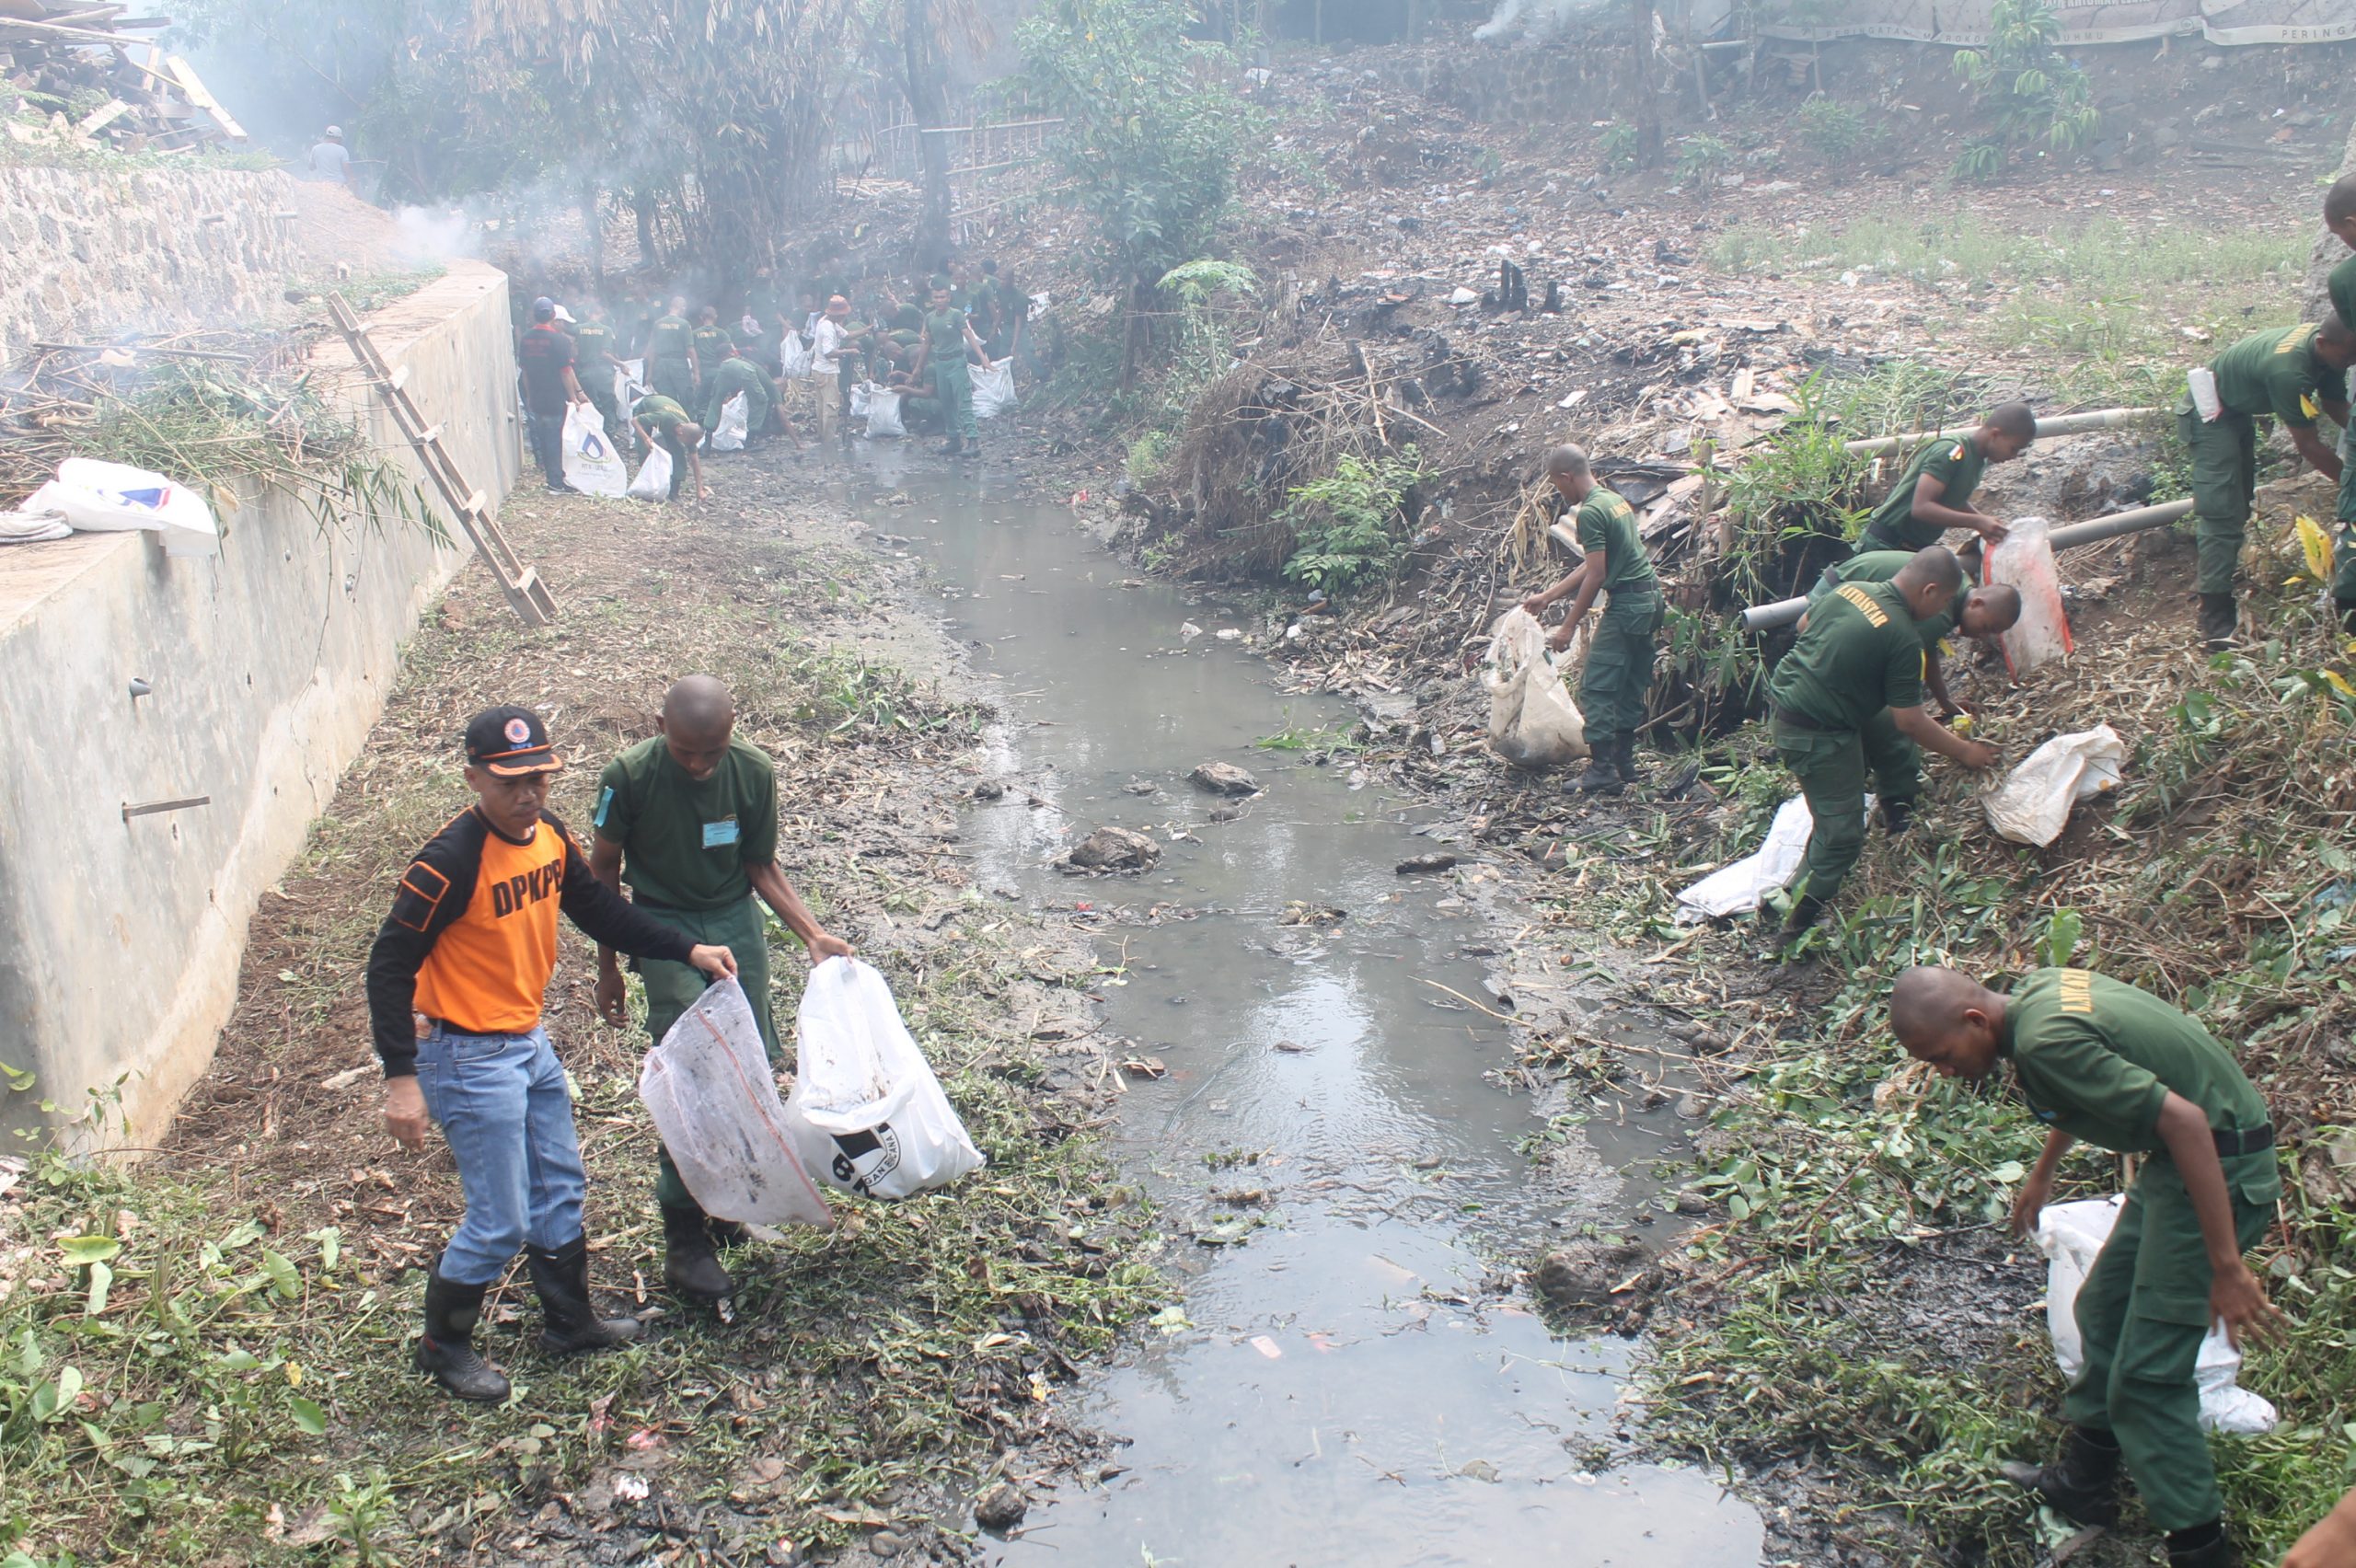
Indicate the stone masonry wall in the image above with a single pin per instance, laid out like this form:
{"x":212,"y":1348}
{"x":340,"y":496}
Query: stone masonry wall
{"x":87,"y":253}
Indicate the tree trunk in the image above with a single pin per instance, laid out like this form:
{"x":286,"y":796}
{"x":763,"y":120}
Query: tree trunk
{"x":592,"y":225}
{"x":1648,"y":133}
{"x":642,"y":205}
{"x":929,"y":100}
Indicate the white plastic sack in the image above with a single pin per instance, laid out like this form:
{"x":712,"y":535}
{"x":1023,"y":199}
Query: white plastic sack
{"x":994,"y":389}
{"x":883,"y":413}
{"x":708,"y":1090}
{"x":653,"y":481}
{"x":728,"y":435}
{"x":2026,"y":560}
{"x":796,"y":357}
{"x":862,"y":393}
{"x":2070,"y":1235}
{"x":102,"y":498}
{"x":590,"y":464}
{"x":2032,"y":806}
{"x":866,"y":1113}
{"x":1532,"y":720}
{"x":32,"y":528}
{"x":1739,"y":888}
{"x":630,"y":383}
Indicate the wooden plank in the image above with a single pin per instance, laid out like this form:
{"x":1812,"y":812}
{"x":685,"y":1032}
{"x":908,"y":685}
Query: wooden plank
{"x":185,"y":74}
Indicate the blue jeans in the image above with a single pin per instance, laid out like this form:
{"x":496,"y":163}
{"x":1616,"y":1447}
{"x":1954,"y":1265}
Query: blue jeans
{"x":501,"y":1101}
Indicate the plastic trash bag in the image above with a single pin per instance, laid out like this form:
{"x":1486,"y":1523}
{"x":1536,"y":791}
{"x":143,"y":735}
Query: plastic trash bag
{"x":590,"y":464}
{"x":2071,"y":1235}
{"x":103,"y":498}
{"x":728,"y":435}
{"x":883,"y":413}
{"x":32,"y":528}
{"x":653,"y":481}
{"x":866,"y":1113}
{"x":2032,"y":806}
{"x":2026,"y":560}
{"x":1739,"y":888}
{"x":796,"y":357}
{"x":630,"y":383}
{"x":994,"y":389}
{"x":1532,"y":720}
{"x":863,"y":394}
{"x":708,"y":1088}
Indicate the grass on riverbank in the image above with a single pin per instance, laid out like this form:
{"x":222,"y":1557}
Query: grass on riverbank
{"x":1855,"y":1304}
{"x":204,"y":1357}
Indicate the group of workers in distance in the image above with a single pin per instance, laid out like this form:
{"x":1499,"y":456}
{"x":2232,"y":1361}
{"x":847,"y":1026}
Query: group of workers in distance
{"x":923,"y":347}
{"x":2095,"y":1059}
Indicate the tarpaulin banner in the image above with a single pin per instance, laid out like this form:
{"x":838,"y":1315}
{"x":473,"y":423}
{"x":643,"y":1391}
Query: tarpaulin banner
{"x":1966,"y":23}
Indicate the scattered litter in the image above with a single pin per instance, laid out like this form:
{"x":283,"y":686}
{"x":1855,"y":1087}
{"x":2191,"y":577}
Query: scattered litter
{"x":1146,"y":1067}
{"x":1267,"y":1347}
{"x":2032,"y":806}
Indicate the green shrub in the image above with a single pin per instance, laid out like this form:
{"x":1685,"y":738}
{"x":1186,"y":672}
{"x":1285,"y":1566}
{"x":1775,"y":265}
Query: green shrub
{"x":1349,"y":528}
{"x":1832,"y":130}
{"x":1617,"y":145}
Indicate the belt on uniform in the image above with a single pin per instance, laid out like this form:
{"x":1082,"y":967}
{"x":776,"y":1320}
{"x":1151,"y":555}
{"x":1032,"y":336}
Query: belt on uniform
{"x":1801,"y":722}
{"x":2245,"y":1140}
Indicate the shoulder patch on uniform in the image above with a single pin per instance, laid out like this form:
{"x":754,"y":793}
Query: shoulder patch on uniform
{"x":2078,"y":990}
{"x":421,"y":892}
{"x":1866,"y":604}
{"x":1958,"y":453}
{"x":604,"y":804}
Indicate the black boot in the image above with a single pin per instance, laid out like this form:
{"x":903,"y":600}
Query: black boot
{"x":2082,"y":1484}
{"x":1602,"y":775}
{"x":2218,"y":619}
{"x":2203,"y":1546}
{"x":1896,"y":816}
{"x":561,"y":1276}
{"x":1624,"y":751}
{"x":446,"y":1348}
{"x":726,"y":1232}
{"x":1805,"y":912}
{"x":689,"y":1264}
{"x":2347,"y":608}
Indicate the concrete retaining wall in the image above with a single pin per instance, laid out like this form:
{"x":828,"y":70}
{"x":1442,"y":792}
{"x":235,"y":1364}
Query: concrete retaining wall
{"x":120,"y":940}
{"x":84,"y":252}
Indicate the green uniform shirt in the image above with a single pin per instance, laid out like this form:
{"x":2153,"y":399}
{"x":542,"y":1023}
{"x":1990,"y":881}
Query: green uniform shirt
{"x":731,"y":377}
{"x":2275,"y":373}
{"x":663,"y":413}
{"x":712,"y":344}
{"x":685,"y":844}
{"x":2096,"y":1058}
{"x":947,"y":331}
{"x":1607,"y":523}
{"x":908,"y":319}
{"x":1881,"y":566}
{"x":2343,"y":292}
{"x":592,"y":340}
{"x":668,"y":338}
{"x":1860,"y":654}
{"x":1957,"y":464}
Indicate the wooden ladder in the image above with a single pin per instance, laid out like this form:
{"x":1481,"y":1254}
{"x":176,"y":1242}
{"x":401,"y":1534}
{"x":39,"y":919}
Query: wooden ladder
{"x":526,"y":595}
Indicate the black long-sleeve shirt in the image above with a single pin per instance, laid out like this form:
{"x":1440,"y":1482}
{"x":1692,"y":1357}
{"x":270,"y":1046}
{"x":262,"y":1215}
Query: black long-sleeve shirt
{"x":471,"y":939}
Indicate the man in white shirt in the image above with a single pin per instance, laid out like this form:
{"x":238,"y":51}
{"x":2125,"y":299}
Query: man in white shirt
{"x":330,"y":161}
{"x":833,"y":348}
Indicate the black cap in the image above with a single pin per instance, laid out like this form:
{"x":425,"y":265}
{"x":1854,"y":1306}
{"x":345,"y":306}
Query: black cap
{"x":510,"y":741}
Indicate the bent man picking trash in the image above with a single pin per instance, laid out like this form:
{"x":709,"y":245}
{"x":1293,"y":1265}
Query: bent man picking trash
{"x":1979,"y":614}
{"x":2100,"y":1061}
{"x":1618,"y":668}
{"x":471,"y":945}
{"x":688,"y":819}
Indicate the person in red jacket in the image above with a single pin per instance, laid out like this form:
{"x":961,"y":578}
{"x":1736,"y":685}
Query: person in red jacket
{"x":471,"y":945}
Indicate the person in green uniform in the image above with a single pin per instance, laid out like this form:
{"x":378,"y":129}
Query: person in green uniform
{"x":595,"y":361}
{"x":2098,"y":1061}
{"x":1619,"y":669}
{"x":1935,"y":492}
{"x":738,"y":377}
{"x":688,"y":818}
{"x":948,"y":337}
{"x":711,"y":342}
{"x":920,"y":411}
{"x":1006,"y":309}
{"x":2339,"y":217}
{"x":1848,"y":701}
{"x":644,"y":310}
{"x":1979,"y":613}
{"x":2285,"y":372}
{"x":671,"y":355}
{"x":766,"y":305}
{"x":661,"y":421}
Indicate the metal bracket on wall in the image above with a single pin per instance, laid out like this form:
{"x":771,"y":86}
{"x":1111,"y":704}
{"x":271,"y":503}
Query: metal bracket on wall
{"x":526,"y":595}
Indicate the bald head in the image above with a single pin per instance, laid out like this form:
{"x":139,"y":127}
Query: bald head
{"x":2339,"y":201}
{"x":1929,"y":580}
{"x":1947,"y":1018}
{"x":2336,"y":344}
{"x":1567,"y":471}
{"x":698,"y":716}
{"x":1990,"y":610}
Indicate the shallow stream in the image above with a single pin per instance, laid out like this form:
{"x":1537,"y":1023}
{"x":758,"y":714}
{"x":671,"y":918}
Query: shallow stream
{"x":1337,"y":1388}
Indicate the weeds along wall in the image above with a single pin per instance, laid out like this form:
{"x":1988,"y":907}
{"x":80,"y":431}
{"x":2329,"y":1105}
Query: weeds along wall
{"x":95,"y":251}
{"x":120,"y":937}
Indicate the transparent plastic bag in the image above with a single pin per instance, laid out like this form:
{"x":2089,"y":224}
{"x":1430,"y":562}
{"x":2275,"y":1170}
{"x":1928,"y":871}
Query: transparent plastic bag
{"x":2026,"y":560}
{"x":867,"y":1115}
{"x":1532,"y":720}
{"x":713,"y":1100}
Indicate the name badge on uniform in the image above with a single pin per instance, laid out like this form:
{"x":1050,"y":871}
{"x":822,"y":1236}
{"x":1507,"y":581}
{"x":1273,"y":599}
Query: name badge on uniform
{"x":716,"y":835}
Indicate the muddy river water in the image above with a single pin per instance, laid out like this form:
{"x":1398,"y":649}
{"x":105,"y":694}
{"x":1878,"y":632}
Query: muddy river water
{"x":1335,"y":1387}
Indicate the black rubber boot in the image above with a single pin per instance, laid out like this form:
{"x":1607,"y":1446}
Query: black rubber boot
{"x":1805,"y":912}
{"x":446,"y":1348}
{"x":2082,"y":1484}
{"x":1896,"y":816}
{"x":561,"y":1276}
{"x":1603,"y":775}
{"x":2203,"y":1546}
{"x":689,"y":1264}
{"x":2347,"y":608}
{"x":726,"y":1232}
{"x":1625,"y":749}
{"x":2219,"y":618}
{"x":951,"y":447}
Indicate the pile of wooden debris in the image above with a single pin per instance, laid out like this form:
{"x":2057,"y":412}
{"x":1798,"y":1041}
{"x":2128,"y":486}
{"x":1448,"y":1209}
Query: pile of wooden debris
{"x":81,"y":74}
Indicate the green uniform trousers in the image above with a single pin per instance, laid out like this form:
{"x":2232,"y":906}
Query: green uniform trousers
{"x":2343,"y":550}
{"x":1832,"y":766}
{"x":2225,"y":477}
{"x":757,"y":412}
{"x":1620,"y":662}
{"x":953,"y":380}
{"x":671,"y":988}
{"x":2142,"y":1312}
{"x":608,"y":409}
{"x":920,"y":411}
{"x":674,"y":379}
